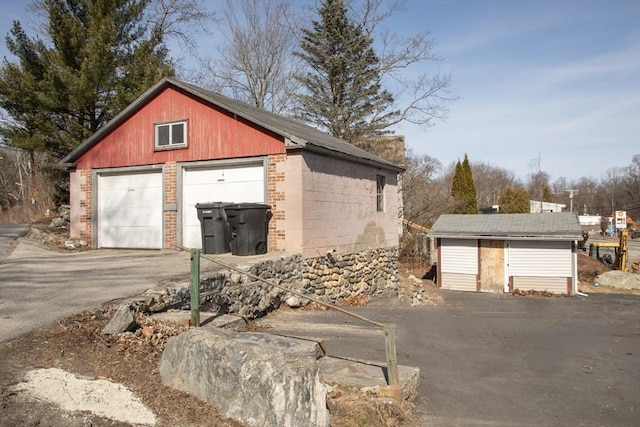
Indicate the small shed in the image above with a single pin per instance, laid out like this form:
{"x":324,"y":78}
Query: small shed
{"x":505,"y":252}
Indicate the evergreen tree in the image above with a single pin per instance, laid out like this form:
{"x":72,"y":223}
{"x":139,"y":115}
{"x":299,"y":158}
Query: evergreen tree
{"x":522,"y":203}
{"x":547,"y":195}
{"x":463,"y":189}
{"x":506,"y":201}
{"x":457,"y":188}
{"x":514,"y":201}
{"x":471,"y":204}
{"x":343,"y":92}
{"x":99,"y":59}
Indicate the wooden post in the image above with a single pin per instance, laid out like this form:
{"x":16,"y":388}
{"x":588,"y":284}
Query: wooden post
{"x":390,"y":349}
{"x":195,"y":287}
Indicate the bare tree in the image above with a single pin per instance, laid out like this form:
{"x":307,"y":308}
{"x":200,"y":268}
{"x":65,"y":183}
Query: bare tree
{"x":619,"y":189}
{"x":559,"y":187}
{"x":490,"y":182}
{"x":425,"y":196}
{"x":23,"y":190}
{"x":255,"y":63}
{"x":420,"y":99}
{"x":632,"y":189}
{"x":180,"y":20}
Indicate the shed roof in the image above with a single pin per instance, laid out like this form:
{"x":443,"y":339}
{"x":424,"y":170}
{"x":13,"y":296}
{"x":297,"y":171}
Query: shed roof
{"x":538,"y":226}
{"x":296,"y":133}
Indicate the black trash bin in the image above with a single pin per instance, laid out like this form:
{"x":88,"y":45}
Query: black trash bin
{"x":214,"y":227}
{"x":249,"y":227}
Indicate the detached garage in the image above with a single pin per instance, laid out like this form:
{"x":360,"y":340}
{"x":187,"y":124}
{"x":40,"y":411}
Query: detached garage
{"x":505,"y":252}
{"x":136,"y":181}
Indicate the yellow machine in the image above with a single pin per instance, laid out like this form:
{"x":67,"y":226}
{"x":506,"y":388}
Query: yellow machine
{"x":613,"y":254}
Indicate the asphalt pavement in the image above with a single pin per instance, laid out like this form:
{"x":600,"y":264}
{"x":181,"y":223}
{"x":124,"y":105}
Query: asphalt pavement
{"x":485,"y":359}
{"x":39,"y":286}
{"x":9,"y":234}
{"x":500,"y":360}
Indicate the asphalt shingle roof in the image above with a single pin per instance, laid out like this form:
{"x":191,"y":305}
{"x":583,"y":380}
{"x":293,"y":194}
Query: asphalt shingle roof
{"x":538,"y":226}
{"x":296,"y":133}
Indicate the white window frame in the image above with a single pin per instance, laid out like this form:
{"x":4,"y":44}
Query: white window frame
{"x":171,"y":144}
{"x":381,"y":182}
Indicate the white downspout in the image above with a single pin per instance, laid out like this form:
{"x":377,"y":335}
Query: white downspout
{"x":506,"y":266}
{"x":574,"y":269}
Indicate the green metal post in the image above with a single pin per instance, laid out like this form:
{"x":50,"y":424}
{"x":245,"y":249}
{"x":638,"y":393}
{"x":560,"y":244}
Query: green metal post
{"x":390,"y":349}
{"x":195,"y":287}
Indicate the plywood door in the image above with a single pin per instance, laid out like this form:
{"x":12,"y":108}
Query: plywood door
{"x":492,"y":265}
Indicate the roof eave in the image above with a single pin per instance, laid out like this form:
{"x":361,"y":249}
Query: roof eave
{"x":568,"y":237}
{"x":333,"y":153}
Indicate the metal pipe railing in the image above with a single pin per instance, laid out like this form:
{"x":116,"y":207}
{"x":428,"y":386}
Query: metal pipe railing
{"x":388,"y":329}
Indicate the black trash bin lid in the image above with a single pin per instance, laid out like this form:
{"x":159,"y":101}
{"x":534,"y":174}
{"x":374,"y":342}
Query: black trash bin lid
{"x":212,"y":205}
{"x":239,"y":206}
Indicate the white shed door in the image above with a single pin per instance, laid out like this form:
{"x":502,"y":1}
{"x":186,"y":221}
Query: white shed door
{"x":235,"y":184}
{"x":130,"y":211}
{"x":459,"y":258}
{"x":540,"y":265}
{"x":539,"y":258}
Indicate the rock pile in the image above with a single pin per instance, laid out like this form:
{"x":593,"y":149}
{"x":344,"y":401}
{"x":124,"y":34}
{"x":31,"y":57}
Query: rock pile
{"x":63,"y":218}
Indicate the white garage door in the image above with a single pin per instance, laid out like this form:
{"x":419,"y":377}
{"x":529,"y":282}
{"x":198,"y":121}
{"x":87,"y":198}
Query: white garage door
{"x":459,"y":258}
{"x":539,"y":258}
{"x":540,"y":265}
{"x":234,"y":184}
{"x":130,"y":210}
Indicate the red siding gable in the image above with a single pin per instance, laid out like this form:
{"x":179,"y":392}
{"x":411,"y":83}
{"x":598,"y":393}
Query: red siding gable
{"x":212,"y":134}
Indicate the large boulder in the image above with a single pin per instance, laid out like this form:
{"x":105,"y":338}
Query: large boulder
{"x":619,"y":279}
{"x":121,"y":321}
{"x":256,"y":378}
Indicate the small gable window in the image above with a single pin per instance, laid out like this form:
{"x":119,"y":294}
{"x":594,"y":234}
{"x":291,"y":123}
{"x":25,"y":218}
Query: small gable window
{"x":171,"y":135}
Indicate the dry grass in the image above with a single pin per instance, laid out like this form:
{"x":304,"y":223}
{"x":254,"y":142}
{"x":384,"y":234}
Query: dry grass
{"x":352,"y":408}
{"x":355,"y":301}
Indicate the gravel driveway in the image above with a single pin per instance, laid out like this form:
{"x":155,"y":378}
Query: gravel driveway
{"x":501,"y":360}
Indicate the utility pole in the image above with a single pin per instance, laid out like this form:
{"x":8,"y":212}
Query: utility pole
{"x":571,"y":193}
{"x":535,"y":165}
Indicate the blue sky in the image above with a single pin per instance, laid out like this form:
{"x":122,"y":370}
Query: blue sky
{"x":557,"y":80}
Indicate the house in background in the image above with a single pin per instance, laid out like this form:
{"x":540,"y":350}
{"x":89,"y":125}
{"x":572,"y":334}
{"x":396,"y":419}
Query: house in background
{"x":535,"y":207}
{"x":539,"y":207}
{"x":135,"y":182}
{"x":502,"y":253}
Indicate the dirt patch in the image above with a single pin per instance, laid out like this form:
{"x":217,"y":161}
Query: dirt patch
{"x":77,"y":345}
{"x":588,"y":270}
{"x":76,"y":348}
{"x":56,"y":239}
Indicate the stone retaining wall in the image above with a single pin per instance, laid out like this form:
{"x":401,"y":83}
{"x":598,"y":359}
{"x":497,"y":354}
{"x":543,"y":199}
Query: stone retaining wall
{"x":336,"y":277}
{"x":228,"y":291}
{"x":331,"y":278}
